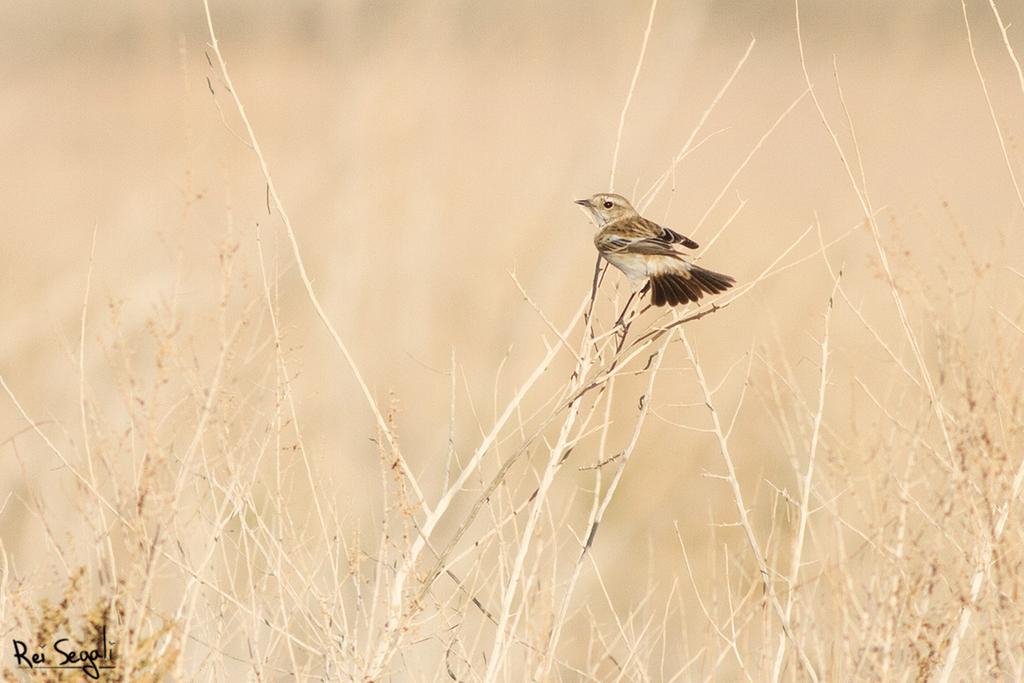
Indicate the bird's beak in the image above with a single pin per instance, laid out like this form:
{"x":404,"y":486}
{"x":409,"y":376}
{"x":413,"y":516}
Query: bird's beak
{"x":582,"y":202}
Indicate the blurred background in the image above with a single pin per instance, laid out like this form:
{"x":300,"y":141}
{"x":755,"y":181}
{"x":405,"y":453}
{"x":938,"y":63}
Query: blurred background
{"x":426,"y":151}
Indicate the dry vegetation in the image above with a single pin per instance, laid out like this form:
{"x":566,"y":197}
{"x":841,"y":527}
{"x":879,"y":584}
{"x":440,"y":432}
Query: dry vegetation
{"x":308,"y":374}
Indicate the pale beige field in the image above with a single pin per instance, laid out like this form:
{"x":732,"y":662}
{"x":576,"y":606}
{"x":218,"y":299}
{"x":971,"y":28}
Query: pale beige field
{"x":817,"y":480}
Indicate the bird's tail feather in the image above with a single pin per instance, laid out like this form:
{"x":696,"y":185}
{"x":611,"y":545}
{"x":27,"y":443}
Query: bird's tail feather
{"x":676,"y":288}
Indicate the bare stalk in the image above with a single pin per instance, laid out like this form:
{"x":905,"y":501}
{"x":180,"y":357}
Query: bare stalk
{"x":865,"y":201}
{"x":741,"y":509}
{"x":629,"y":95}
{"x":303,"y":275}
{"x":988,"y":98}
{"x":806,"y":483}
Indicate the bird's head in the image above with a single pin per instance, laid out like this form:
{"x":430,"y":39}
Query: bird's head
{"x":607,"y":207}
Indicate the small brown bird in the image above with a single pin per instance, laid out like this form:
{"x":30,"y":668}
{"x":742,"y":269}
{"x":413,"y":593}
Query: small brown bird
{"x":643,"y":249}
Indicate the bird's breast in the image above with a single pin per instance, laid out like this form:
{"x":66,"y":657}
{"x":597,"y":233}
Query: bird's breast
{"x":635,"y":266}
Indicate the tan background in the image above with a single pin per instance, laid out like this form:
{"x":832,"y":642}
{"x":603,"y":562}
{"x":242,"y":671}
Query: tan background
{"x":424,"y":151}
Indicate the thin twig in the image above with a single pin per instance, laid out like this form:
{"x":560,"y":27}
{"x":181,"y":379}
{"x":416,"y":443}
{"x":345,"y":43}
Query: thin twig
{"x":629,"y":95}
{"x":304,"y":276}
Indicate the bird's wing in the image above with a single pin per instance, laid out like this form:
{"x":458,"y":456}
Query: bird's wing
{"x":652,"y":246}
{"x":676,"y":238}
{"x":641,"y":228}
{"x":670,"y":236}
{"x":622,"y":244}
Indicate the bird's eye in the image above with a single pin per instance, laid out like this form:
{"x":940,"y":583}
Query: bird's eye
{"x":608,"y":205}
